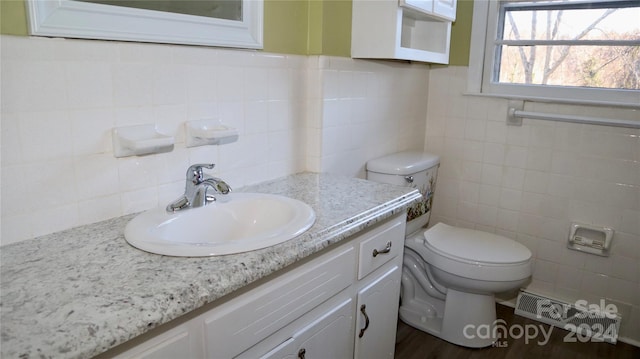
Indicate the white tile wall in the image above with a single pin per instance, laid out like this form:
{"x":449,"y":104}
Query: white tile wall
{"x":529,"y":183}
{"x":366,"y":109}
{"x":61,"y":98}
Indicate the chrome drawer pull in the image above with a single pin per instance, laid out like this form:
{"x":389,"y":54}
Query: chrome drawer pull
{"x":366,"y":320}
{"x":387,"y":249}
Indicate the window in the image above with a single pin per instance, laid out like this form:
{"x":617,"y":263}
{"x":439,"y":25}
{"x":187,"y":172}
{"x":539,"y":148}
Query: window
{"x":572,"y":51}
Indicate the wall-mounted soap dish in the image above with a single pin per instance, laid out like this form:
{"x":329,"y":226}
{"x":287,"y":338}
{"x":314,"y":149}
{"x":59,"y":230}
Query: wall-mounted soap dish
{"x":209,"y":132}
{"x":590,"y":239}
{"x":140,"y":140}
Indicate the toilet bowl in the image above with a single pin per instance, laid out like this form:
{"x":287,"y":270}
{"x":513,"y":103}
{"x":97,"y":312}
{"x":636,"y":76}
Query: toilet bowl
{"x":450,"y":275}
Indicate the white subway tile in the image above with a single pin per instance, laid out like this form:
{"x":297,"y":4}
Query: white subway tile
{"x":201,"y":83}
{"x":145,"y":53}
{"x":16,"y":227}
{"x":488,"y":195}
{"x":494,"y":153}
{"x":513,"y":178}
{"x":467,"y":212}
{"x":471,"y":171}
{"x":91,"y":131}
{"x":33,"y":86}
{"x":535,"y":181}
{"x":132,"y":84}
{"x":139,"y":200}
{"x":138,"y":172}
{"x":595,"y":284}
{"x":280,"y":81}
{"x":229,"y":83}
{"x":28,"y":49}
{"x":455,"y":127}
{"x":169,"y":86}
{"x":469,"y":191}
{"x":99,"y":209}
{"x":10,"y":140}
{"x":54,"y":218}
{"x":89,"y":84}
{"x":515,"y":156}
{"x":510,"y":199}
{"x":487,"y":215}
{"x":507,"y":220}
{"x":624,"y":291}
{"x":539,"y":159}
{"x":496,"y":132}
{"x":256,"y":84}
{"x":472,"y":150}
{"x":569,"y":277}
{"x":518,"y":135}
{"x":492,"y":174}
{"x":474,"y":130}
{"x":624,"y":268}
{"x":97,"y":176}
{"x":541,"y":135}
{"x":545,"y":271}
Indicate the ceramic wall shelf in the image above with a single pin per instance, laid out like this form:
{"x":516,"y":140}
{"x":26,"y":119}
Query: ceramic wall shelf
{"x":209,"y":132}
{"x":140,"y":140}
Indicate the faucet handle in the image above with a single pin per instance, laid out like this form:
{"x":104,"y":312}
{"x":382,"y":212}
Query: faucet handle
{"x":194,"y":173}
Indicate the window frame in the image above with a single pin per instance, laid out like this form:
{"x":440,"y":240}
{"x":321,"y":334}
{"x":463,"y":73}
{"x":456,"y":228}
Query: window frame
{"x":480,"y":81}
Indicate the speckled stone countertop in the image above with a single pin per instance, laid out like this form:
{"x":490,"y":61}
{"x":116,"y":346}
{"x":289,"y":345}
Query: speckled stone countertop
{"x":80,"y":292}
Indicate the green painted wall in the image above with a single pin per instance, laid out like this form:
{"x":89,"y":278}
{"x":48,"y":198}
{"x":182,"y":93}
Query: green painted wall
{"x":461,"y":34}
{"x":305,"y":27}
{"x":286,"y":24}
{"x":13,"y":17}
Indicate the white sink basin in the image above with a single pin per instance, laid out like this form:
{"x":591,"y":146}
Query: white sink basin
{"x":241,"y":222}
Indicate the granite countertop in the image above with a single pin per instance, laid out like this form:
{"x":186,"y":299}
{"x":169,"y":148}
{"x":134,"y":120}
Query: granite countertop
{"x":80,"y":292}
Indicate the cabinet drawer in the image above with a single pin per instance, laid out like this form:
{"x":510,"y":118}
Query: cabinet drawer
{"x":325,"y":335}
{"x":253,"y":316}
{"x":380,"y":246}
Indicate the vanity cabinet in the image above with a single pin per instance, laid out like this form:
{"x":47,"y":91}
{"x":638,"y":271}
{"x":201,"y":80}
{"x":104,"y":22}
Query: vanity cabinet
{"x":317,"y":309}
{"x":418,"y":30}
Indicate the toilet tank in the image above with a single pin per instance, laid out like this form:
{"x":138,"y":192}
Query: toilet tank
{"x":414,"y":169}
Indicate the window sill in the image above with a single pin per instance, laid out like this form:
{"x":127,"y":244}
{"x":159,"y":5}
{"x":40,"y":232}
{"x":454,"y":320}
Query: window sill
{"x":554,"y":100}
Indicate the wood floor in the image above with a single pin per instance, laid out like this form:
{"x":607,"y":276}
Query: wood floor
{"x":414,"y":344}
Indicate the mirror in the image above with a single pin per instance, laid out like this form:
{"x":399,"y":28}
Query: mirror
{"x":227,"y":23}
{"x":220,"y":9}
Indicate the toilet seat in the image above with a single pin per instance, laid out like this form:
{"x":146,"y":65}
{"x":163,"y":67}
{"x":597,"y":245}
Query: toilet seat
{"x":471,"y":246}
{"x":473,"y":254}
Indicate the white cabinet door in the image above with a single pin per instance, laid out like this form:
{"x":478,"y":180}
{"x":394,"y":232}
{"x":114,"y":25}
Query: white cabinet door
{"x":329,"y":336}
{"x":377,"y":313}
{"x":237,"y":325}
{"x":445,"y":8}
{"x":425,"y":6}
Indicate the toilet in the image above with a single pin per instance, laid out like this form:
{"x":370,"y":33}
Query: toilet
{"x":450,"y":275}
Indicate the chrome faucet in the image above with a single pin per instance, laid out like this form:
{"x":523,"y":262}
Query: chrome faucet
{"x":196,"y":189}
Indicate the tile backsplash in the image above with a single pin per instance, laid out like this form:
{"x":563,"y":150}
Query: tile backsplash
{"x":530,"y":182}
{"x":61,"y":98}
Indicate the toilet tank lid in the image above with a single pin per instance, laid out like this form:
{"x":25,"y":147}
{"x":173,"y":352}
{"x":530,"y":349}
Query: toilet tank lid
{"x":474,"y":245}
{"x":403,"y":163}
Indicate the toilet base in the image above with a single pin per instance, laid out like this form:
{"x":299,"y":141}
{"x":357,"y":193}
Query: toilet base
{"x":468,"y":319}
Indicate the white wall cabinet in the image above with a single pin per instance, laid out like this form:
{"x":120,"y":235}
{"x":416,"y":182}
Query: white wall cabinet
{"x":309,"y":311}
{"x":418,"y":30}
